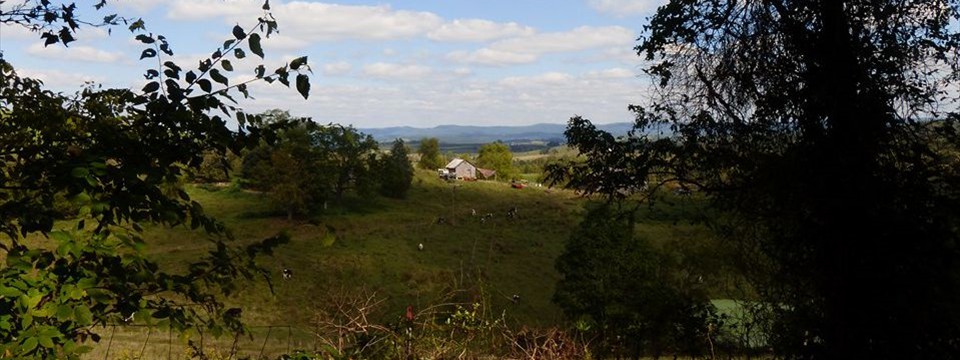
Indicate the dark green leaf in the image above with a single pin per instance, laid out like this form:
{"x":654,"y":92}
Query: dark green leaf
{"x":260,"y":71}
{"x":64,"y":312}
{"x":83,"y":315}
{"x":166,"y":48}
{"x":204,"y":85}
{"x":172,"y":85}
{"x":82,"y":172}
{"x":66,"y":36}
{"x":303,"y":85}
{"x":151,"y":87}
{"x":148,"y":53}
{"x":145,"y":39}
{"x":136,"y":25}
{"x":49,"y":38}
{"x":296,"y":63}
{"x":9,"y":292}
{"x":255,"y":45}
{"x":226,"y":65}
{"x":191,"y":77}
{"x":29,"y":344}
{"x":238,"y":53}
{"x":238,"y":33}
{"x":171,"y":65}
{"x":45,"y":341}
{"x":218,"y":77}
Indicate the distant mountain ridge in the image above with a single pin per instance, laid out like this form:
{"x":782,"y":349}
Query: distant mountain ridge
{"x":469,"y":134}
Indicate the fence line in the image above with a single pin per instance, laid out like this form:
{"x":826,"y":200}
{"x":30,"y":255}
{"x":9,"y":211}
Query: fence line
{"x":131,"y":342}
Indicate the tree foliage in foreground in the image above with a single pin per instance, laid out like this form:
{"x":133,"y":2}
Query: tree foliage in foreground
{"x":112,"y":152}
{"x":810,"y":126}
{"x":623,"y":285}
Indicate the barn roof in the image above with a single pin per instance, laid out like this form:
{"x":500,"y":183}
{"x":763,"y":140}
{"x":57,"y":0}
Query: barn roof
{"x":487,"y":173}
{"x":456,"y":162}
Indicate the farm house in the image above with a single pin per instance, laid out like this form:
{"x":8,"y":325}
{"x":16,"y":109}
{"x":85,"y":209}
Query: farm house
{"x":460,"y":169}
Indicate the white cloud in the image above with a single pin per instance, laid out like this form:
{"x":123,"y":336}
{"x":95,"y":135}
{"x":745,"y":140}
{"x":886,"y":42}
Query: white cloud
{"x":337,"y":68}
{"x":59,"y":80}
{"x":11,"y":31}
{"x":312,"y":21}
{"x":440,"y":98}
{"x":613,"y":73}
{"x":284,"y":42}
{"x":247,"y":10}
{"x":487,"y":56}
{"x":528,"y":49}
{"x":137,"y":5}
{"x":623,"y":8}
{"x":478,"y":30}
{"x":79,"y":53}
{"x":580,"y":38}
{"x":550,"y":78}
{"x":395,"y":71}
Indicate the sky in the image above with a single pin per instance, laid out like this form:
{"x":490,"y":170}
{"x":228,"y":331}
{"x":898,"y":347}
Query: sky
{"x":388,"y":63}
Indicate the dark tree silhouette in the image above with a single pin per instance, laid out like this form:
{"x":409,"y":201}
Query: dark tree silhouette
{"x":396,"y":171}
{"x":817,"y":129}
{"x":620,"y":282}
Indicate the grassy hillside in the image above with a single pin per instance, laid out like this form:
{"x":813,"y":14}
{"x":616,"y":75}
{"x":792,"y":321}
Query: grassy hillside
{"x":376,"y":247}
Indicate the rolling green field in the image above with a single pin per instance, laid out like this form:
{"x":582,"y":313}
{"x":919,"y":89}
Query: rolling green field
{"x":373,"y":247}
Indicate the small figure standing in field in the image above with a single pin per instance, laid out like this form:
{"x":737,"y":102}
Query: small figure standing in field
{"x":287,"y":274}
{"x":484,"y":218}
{"x":473,"y":212}
{"x":420,"y":246}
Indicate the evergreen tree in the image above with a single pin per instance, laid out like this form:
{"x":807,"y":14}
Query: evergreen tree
{"x":396,"y":172}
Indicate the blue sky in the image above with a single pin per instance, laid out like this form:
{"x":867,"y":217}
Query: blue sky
{"x":388,"y":63}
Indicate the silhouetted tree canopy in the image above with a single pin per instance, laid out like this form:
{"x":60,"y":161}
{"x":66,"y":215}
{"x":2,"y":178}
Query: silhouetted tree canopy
{"x":817,"y":129}
{"x":396,"y":171}
{"x":622,"y":285}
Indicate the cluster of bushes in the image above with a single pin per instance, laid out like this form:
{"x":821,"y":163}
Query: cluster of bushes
{"x":308,"y":165}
